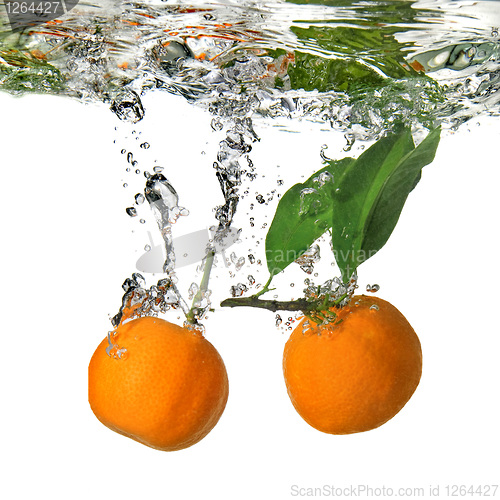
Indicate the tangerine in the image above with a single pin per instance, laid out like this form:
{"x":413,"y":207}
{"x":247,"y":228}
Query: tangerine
{"x":161,"y":384}
{"x":355,"y":373}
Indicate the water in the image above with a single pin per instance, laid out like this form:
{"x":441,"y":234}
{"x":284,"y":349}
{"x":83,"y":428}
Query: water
{"x":353,"y":67}
{"x":357,"y":65}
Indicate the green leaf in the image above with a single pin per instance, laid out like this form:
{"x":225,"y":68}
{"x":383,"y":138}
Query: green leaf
{"x":21,"y":72}
{"x":371,"y":193}
{"x":351,"y":58}
{"x":359,"y":200}
{"x":304,"y":213}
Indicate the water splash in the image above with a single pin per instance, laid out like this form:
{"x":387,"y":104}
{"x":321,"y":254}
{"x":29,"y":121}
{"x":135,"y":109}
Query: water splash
{"x":237,"y":144}
{"x":357,"y":67}
{"x":113,"y":350}
{"x":332,"y":289}
{"x":139,"y":301}
{"x":164,"y":202}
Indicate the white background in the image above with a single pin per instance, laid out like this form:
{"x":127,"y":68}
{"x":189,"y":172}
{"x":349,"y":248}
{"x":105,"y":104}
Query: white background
{"x":67,"y":246}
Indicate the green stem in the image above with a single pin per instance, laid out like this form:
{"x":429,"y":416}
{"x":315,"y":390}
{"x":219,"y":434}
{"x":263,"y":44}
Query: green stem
{"x":266,"y":287}
{"x":203,"y":286}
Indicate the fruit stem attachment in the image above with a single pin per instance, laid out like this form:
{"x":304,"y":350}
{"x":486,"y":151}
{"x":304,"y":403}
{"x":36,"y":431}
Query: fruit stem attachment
{"x":200,"y":294}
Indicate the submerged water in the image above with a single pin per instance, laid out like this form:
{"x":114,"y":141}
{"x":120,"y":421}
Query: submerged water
{"x":357,"y":67}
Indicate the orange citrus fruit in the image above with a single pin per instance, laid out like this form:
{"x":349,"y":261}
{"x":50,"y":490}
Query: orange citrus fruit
{"x":356,"y":374}
{"x":162,"y":385}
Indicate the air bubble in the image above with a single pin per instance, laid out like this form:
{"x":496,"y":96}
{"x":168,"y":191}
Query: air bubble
{"x":216,"y":124}
{"x":131,"y":211}
{"x":193,"y":290}
{"x":307,"y":260}
{"x":145,"y":145}
{"x":238,"y":290}
{"x":196,"y":329}
{"x":238,"y":262}
{"x":127,"y":106}
{"x":322,"y":154}
{"x":350,"y":139}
